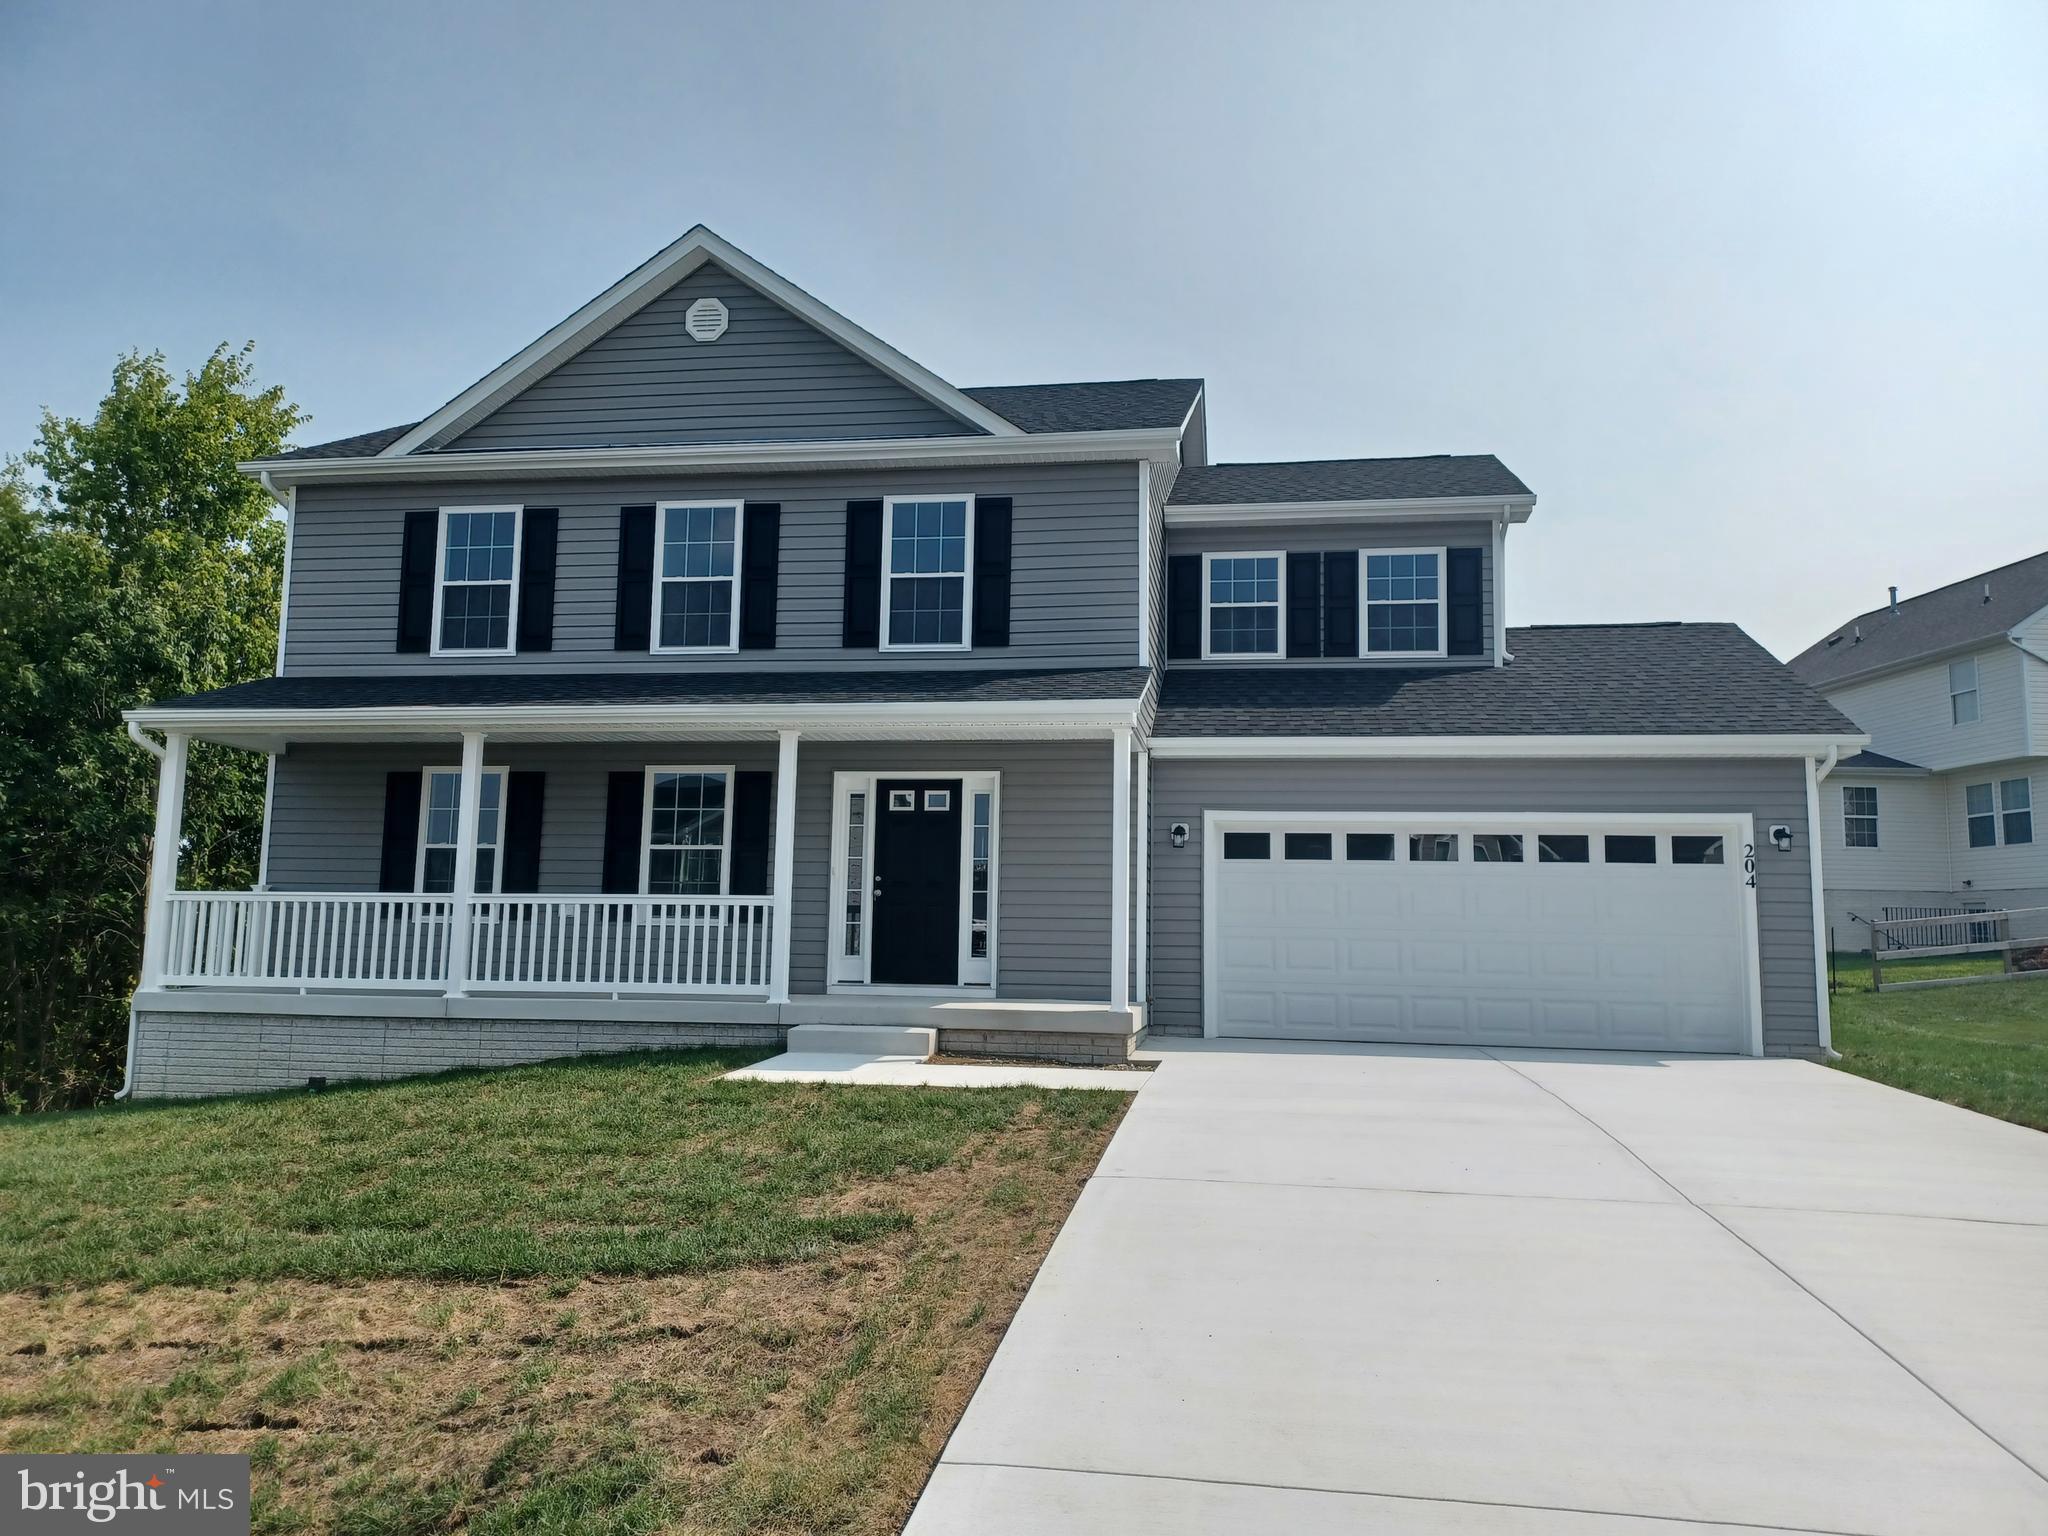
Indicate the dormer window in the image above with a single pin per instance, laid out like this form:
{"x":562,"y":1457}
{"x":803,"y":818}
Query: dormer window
{"x":1243,"y":594}
{"x":1404,"y":605}
{"x":1962,"y":691}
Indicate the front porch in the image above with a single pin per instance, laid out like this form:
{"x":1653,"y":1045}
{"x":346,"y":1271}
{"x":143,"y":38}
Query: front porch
{"x":968,"y":883}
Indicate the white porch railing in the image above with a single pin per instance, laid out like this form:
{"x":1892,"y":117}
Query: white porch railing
{"x":601,"y":944}
{"x":621,"y":943}
{"x":304,"y":940}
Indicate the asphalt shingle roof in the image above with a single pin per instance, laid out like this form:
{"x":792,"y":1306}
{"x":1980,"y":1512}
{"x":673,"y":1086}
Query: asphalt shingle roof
{"x":1443,"y":474}
{"x":1867,"y":761}
{"x":1597,"y":679}
{"x":602,"y":689}
{"x":1941,"y":620}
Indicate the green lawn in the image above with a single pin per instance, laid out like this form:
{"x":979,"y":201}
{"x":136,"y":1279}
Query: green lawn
{"x":1983,"y":1047}
{"x":613,"y":1295}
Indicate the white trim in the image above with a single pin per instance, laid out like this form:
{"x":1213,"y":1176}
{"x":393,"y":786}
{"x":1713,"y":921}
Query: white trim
{"x":269,"y":799}
{"x":1554,"y":746}
{"x":982,"y":972}
{"x":1253,"y":513}
{"x":163,"y":848}
{"x":420,"y":844}
{"x":511,"y":646}
{"x":782,"y":882}
{"x":461,"y":905}
{"x":1159,"y":445}
{"x":1663,"y":823}
{"x":662,"y":509}
{"x":1823,"y":1010}
{"x":855,"y":974}
{"x":1142,"y":897}
{"x":1279,"y":559}
{"x":1145,"y":561}
{"x":647,"y":823}
{"x":1499,"y":576}
{"x":1120,"y":870}
{"x":966,"y":574}
{"x":1366,"y":604}
{"x":641,"y":287}
{"x":284,"y":591}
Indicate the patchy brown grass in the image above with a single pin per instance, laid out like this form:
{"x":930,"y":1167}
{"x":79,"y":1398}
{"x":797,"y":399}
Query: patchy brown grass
{"x":811,"y":1396}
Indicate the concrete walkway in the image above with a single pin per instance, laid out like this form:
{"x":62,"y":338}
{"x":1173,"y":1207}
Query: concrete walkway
{"x":1315,"y":1289}
{"x":914,"y":1072}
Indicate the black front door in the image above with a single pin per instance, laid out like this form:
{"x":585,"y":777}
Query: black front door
{"x":917,"y":883}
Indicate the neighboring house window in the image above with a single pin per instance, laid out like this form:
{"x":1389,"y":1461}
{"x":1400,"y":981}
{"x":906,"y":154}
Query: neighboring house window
{"x":1962,"y":690}
{"x":1982,"y":815}
{"x":925,"y":592}
{"x":440,"y":823}
{"x":1859,"y":816}
{"x":685,"y":850}
{"x":1404,"y":602}
{"x":697,"y":583}
{"x":478,"y":555}
{"x":1243,"y":597}
{"x":2016,"y":809}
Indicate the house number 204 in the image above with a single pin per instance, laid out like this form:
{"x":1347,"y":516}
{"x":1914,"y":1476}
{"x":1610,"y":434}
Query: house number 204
{"x":1749,"y":864}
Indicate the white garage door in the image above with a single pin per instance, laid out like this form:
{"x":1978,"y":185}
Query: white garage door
{"x":1625,"y":934}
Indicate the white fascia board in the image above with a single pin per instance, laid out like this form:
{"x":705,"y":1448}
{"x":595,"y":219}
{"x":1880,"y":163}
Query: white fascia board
{"x":1500,"y":746}
{"x":1515,"y":509}
{"x":639,"y":288}
{"x":1159,"y":445}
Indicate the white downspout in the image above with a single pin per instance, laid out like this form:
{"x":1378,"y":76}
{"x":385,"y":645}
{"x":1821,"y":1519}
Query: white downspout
{"x":1822,"y":1004}
{"x":1500,"y":591}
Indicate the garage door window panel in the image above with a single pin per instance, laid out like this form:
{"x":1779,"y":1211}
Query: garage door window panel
{"x":1369,"y":847}
{"x":1568,"y":848}
{"x":1432,"y":847}
{"x":1496,"y":848}
{"x":1629,"y":848}
{"x":1308,"y":845}
{"x":1247,"y":845}
{"x":1697,"y":850}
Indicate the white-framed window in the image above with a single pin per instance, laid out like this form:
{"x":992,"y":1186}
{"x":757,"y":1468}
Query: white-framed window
{"x":1962,"y":691}
{"x":2016,"y":810}
{"x":1859,"y":816}
{"x":1243,"y":595}
{"x":476,"y":587}
{"x":927,"y":551}
{"x":440,"y":826}
{"x":696,"y":576}
{"x":685,"y":832}
{"x":1403,"y":594}
{"x":1980,"y":813}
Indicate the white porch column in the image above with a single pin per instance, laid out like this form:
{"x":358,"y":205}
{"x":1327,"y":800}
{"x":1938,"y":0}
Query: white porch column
{"x":163,"y":856}
{"x":465,"y":861}
{"x":1144,"y":873}
{"x":1120,"y":869}
{"x":781,"y":894}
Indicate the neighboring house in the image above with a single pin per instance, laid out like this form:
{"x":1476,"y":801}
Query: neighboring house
{"x":1938,"y":816}
{"x":793,"y":684}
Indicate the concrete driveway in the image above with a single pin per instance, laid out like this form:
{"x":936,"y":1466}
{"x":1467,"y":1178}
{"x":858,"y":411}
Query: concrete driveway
{"x":1331,"y":1288}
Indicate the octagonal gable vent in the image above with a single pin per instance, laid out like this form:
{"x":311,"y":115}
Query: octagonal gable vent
{"x":705,"y":320}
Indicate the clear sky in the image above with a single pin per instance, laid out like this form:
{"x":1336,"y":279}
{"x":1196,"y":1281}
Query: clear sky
{"x":1754,"y":296}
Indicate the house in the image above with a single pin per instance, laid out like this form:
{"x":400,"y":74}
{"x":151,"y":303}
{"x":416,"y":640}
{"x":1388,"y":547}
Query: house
{"x":793,"y":686}
{"x":1938,"y":815}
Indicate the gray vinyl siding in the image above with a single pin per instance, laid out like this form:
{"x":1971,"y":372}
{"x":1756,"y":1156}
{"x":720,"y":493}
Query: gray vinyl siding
{"x":1223,"y":538}
{"x":770,"y":378}
{"x":1773,"y":791}
{"x":1074,"y":551}
{"x":1053,"y":866}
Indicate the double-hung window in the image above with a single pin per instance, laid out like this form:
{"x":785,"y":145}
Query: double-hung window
{"x":1404,"y":602}
{"x":2016,"y":810}
{"x":697,"y":583}
{"x":1243,"y":594}
{"x":475,"y":565}
{"x":1859,"y":816}
{"x":925,"y":592}
{"x":1981,"y":813}
{"x":440,"y":824}
{"x":1962,"y":691}
{"x":687,"y":847}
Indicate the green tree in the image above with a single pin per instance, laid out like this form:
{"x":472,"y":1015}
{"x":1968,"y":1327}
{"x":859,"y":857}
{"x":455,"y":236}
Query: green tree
{"x":136,"y":563}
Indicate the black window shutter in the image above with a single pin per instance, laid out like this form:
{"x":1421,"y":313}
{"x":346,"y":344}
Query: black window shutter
{"x":416,"y":586}
{"x":524,"y":792}
{"x":991,"y":570}
{"x":401,"y":830}
{"x":1464,"y":603}
{"x":1183,"y":607}
{"x":1340,"y":603}
{"x":635,"y":603}
{"x":537,"y":579}
{"x":753,"y":802}
{"x":1304,"y":604}
{"x":861,"y":619}
{"x":760,"y":562}
{"x":623,"y":796}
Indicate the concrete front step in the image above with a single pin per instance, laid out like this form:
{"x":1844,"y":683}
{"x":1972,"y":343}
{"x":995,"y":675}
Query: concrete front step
{"x":864,"y":1040}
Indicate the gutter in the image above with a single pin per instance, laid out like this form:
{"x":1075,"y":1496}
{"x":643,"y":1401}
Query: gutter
{"x":128,"y":1061}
